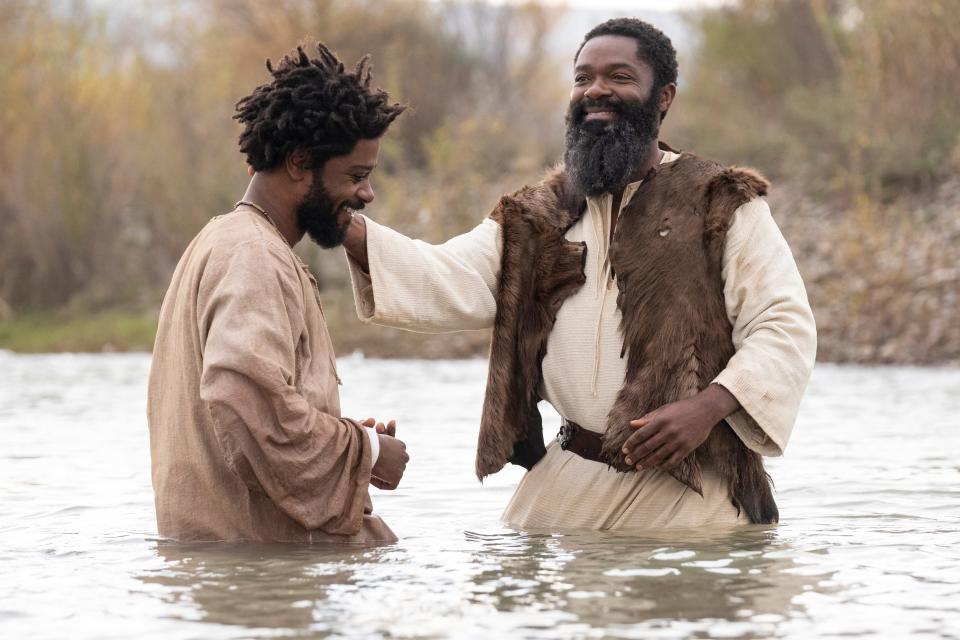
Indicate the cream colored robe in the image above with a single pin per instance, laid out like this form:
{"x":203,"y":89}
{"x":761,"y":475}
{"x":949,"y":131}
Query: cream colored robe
{"x":246,"y":437}
{"x":452,"y":286}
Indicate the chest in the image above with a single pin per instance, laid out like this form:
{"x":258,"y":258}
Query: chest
{"x":316,"y":375}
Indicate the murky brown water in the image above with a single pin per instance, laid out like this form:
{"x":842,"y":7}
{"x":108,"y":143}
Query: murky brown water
{"x":869,"y":493}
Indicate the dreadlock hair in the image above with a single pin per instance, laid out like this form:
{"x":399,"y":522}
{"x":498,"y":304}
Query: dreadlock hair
{"x":653,"y":47}
{"x":312,"y":105}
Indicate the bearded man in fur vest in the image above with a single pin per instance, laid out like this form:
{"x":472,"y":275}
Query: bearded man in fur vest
{"x":646,"y":294}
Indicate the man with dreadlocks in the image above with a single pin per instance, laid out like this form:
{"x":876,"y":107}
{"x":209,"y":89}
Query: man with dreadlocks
{"x":646,"y":294}
{"x":246,"y":437}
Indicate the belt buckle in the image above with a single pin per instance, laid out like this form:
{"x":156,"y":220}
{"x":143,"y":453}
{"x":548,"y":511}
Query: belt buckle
{"x":565,"y":435}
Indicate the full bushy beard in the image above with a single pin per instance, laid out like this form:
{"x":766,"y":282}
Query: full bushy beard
{"x":600,"y":156}
{"x":317,"y":215}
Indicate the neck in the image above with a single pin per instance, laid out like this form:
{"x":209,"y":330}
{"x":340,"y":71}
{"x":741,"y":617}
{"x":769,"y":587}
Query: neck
{"x":651,"y":161}
{"x":263,"y":192}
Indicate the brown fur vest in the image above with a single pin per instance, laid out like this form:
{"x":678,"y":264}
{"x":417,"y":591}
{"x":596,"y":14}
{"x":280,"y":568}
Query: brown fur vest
{"x":666,"y":254}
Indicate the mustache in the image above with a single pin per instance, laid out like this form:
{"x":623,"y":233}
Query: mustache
{"x":578,"y":110}
{"x":357,"y":205}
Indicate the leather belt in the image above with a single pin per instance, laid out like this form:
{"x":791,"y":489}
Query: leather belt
{"x":583,"y":442}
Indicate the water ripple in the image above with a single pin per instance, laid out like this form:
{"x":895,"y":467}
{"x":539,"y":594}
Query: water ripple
{"x":869,"y":544}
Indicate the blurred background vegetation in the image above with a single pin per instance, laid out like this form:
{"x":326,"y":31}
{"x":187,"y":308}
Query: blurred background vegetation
{"x":117,"y":145}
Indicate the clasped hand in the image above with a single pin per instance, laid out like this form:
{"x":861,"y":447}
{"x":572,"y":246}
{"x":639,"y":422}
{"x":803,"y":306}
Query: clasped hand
{"x":670,"y":433}
{"x":392,"y":462}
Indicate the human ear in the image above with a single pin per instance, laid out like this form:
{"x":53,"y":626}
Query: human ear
{"x":667,"y":94}
{"x":297,"y":165}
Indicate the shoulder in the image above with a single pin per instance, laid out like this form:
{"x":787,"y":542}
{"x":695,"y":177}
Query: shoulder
{"x":242,"y":241}
{"x":734,"y":187}
{"x":551,"y":203}
{"x":719,"y":193}
{"x":248,"y":233}
{"x":724,"y":186}
{"x":751,"y":225}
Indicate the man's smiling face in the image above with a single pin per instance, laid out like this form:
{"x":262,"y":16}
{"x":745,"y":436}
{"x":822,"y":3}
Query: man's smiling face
{"x":607,"y":73}
{"x":341,"y":187}
{"x":614,"y":115}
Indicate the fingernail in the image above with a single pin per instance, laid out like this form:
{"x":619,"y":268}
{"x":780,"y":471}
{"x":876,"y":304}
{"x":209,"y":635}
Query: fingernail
{"x":629,"y":461}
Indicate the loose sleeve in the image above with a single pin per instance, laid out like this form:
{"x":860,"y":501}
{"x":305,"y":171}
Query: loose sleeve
{"x":429,"y":288}
{"x":773,"y":330}
{"x":315,"y":466}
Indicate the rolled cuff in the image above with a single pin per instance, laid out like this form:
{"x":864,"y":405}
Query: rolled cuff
{"x":362,"y":291}
{"x":374,"y":444}
{"x":746,"y":421}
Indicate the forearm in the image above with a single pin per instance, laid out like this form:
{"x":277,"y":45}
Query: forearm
{"x":410,"y":284}
{"x":717,"y":402}
{"x":315,"y":466}
{"x":356,"y":242}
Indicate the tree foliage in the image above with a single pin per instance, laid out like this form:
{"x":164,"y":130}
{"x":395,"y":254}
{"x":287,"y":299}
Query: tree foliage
{"x":850,"y":96}
{"x":118,"y":142}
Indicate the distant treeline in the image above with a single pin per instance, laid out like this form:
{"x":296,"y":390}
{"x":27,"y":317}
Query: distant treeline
{"x":117,"y":144}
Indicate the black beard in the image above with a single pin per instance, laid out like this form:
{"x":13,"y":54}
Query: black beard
{"x":601,"y":156}
{"x":317,"y":216}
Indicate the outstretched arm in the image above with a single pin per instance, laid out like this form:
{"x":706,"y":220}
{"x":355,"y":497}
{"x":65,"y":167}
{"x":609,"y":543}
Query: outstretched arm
{"x":410,"y":284}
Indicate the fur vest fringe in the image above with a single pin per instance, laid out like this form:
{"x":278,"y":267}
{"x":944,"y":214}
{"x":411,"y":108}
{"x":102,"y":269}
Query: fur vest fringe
{"x":666,"y":254}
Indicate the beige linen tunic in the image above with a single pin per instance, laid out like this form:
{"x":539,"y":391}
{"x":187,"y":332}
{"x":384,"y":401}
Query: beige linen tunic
{"x":246,"y":438}
{"x":452,"y":286}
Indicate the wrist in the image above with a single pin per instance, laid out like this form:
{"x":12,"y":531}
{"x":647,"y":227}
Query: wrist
{"x":356,"y":238}
{"x":374,"y":438}
{"x":719,"y":402}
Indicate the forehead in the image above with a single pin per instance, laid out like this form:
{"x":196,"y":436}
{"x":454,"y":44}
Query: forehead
{"x":607,"y":51}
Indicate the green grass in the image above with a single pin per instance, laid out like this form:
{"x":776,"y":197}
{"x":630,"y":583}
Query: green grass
{"x":113,"y":330}
{"x":124,"y":330}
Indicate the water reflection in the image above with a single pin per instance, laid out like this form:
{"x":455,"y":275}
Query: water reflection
{"x":546,"y":584}
{"x":252,"y":585}
{"x":615,"y":580}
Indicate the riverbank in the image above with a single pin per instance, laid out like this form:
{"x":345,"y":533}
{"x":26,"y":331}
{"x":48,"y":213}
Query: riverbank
{"x":102,"y":331}
{"x":883,"y":277}
{"x":883,"y":280}
{"x":123,"y":330}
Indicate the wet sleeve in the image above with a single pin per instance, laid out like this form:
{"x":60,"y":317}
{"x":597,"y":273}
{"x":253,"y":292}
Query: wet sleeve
{"x":250,"y":314}
{"x":773,"y":330}
{"x":429,"y":288}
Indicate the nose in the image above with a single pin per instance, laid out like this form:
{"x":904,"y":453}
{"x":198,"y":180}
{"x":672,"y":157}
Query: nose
{"x":365,"y":192}
{"x":597,"y":89}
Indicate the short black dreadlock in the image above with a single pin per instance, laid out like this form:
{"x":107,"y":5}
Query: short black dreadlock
{"x":314,"y":106}
{"x":653,"y":46}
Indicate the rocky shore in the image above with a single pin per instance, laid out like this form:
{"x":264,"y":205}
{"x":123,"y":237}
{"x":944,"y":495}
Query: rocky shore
{"x":883,"y":281}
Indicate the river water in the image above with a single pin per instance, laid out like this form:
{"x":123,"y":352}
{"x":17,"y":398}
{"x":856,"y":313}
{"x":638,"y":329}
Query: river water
{"x":869,"y":494}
